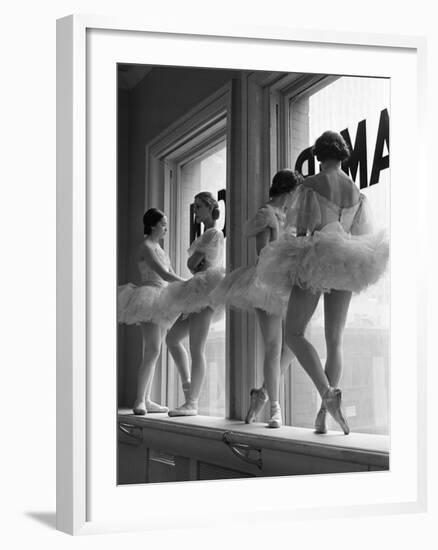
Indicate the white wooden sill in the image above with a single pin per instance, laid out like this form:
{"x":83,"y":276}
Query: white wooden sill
{"x":371,"y":452}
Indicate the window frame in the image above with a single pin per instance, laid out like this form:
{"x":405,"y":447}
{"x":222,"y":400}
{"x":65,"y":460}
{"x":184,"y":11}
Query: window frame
{"x":173,"y":175}
{"x":282,"y":94}
{"x":203,"y":127}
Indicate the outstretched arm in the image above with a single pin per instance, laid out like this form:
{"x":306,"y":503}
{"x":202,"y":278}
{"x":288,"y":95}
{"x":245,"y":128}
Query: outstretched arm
{"x":148,"y":255}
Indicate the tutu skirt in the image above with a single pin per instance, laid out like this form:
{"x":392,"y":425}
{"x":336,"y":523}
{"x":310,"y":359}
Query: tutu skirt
{"x":330,"y":259}
{"x":194,"y":295}
{"x":242,"y":289}
{"x":142,"y":304}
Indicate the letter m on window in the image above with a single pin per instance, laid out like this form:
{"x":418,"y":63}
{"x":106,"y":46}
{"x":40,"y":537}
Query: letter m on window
{"x":358,"y":158}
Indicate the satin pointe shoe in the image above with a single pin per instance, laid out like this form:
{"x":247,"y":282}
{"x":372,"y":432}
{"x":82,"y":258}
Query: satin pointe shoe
{"x":188,"y":409}
{"x":321,"y":421}
{"x":275,"y":421}
{"x":258,"y":398}
{"x":139,"y":408}
{"x":332,"y":402}
{"x":152,"y":407}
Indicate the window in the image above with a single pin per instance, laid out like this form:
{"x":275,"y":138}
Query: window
{"x":189,"y":156}
{"x":285,"y":114}
{"x":205,"y":172}
{"x":233,"y":143}
{"x":359,"y":109}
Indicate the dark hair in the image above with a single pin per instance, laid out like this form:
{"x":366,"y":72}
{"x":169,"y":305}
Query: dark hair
{"x":331,"y":146}
{"x":207,"y":198}
{"x":284,"y":181}
{"x":151,"y":218}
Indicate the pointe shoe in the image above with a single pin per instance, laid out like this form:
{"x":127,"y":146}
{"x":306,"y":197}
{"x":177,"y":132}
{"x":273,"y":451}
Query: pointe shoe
{"x":188,"y":409}
{"x":152,"y":407}
{"x":275,"y":421}
{"x":258,"y":398}
{"x":186,"y":390}
{"x":321,"y":421}
{"x":332,"y":402}
{"x":139,"y":408}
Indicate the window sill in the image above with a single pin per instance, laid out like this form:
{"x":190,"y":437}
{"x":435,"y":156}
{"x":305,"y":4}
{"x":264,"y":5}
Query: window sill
{"x":368,"y":452}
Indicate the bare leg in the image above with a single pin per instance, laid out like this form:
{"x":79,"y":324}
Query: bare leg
{"x":151,"y":337}
{"x":151,"y":378}
{"x":271,"y":327}
{"x":151,"y":406}
{"x":336,"y":304}
{"x":176,"y":334}
{"x":199,"y":327}
{"x":302,"y":304}
{"x":286,"y":353}
{"x":274,"y":365}
{"x":285,"y":359}
{"x":301,"y":307}
{"x":271,"y":330}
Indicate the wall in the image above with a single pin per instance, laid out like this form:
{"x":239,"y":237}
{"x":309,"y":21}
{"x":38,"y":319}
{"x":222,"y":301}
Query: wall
{"x":122,"y":213}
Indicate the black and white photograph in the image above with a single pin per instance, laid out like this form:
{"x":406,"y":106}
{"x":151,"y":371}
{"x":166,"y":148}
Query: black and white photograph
{"x":253,"y":262}
{"x":219,"y":278}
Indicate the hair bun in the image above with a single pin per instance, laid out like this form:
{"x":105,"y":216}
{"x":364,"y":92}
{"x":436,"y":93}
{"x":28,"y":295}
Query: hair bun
{"x":150,"y":219}
{"x":208,"y":199}
{"x":284,"y":181}
{"x":331,"y":146}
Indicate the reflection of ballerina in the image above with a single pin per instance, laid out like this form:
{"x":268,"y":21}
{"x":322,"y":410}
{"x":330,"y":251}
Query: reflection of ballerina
{"x":240,"y":289}
{"x":192,"y":299}
{"x":143,"y":305}
{"x":336,"y":253}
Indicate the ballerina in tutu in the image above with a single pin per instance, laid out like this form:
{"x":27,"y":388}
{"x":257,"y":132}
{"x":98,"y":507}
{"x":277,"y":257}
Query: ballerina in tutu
{"x":240,"y":289}
{"x":192,"y":300}
{"x":143,"y":305}
{"x":328,"y":247}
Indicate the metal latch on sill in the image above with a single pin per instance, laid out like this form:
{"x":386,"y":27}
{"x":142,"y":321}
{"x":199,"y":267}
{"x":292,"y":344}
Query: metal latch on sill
{"x":133,"y":432}
{"x":245,"y":452}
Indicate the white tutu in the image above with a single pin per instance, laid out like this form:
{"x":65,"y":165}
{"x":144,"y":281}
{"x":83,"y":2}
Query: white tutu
{"x":142,"y":304}
{"x":194,"y":295}
{"x":241,"y":289}
{"x":330,"y":259}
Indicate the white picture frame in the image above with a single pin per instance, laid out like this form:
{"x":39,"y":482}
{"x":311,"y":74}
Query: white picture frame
{"x":87,"y":49}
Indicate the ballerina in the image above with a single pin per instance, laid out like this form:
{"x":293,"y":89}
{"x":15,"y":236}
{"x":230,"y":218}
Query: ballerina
{"x":192,"y":300}
{"x":240,"y":289}
{"x":330,"y":248}
{"x":143,"y":305}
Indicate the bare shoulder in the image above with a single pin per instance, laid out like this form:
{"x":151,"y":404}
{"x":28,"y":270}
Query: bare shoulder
{"x":337,"y":187}
{"x":348,"y":189}
{"x":143,"y":251}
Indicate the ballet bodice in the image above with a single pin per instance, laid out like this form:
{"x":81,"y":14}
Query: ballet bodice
{"x":148,"y":276}
{"x":211,"y":245}
{"x":311,"y":211}
{"x":266,"y":217}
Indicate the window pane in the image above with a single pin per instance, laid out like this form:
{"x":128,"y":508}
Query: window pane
{"x":205,"y":173}
{"x":357,"y":107}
